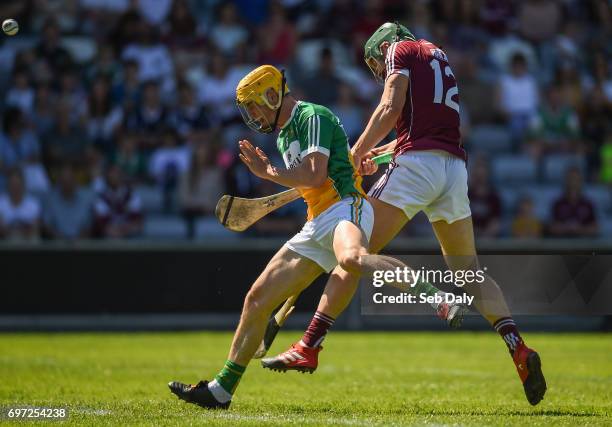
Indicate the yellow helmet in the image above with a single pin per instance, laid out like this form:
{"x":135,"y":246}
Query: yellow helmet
{"x":252,"y":94}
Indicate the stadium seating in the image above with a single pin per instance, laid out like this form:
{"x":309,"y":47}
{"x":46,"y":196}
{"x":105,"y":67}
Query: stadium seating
{"x":556,"y":165}
{"x":601,"y":197}
{"x":513,"y":169}
{"x":164,"y":227}
{"x":543,"y":197}
{"x":489,"y":139}
{"x":151,"y":198}
{"x":210,"y":228}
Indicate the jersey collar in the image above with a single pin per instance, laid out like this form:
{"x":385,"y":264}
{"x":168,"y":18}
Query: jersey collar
{"x":292,"y":114}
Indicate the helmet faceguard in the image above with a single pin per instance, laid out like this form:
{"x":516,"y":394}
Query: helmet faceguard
{"x":254,"y":117}
{"x":252,"y":97}
{"x":373,"y":55}
{"x":377,"y":68}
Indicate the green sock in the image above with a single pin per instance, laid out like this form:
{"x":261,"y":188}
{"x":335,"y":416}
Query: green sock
{"x":424,"y":288}
{"x":230,"y":375}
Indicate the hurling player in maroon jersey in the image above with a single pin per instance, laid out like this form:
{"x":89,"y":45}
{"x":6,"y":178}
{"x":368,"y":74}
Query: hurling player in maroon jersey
{"x":421,"y":101}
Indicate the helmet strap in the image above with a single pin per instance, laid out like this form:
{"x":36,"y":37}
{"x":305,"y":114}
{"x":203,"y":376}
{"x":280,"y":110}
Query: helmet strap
{"x":282,"y":96}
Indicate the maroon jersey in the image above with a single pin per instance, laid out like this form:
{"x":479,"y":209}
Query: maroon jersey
{"x":430,"y":119}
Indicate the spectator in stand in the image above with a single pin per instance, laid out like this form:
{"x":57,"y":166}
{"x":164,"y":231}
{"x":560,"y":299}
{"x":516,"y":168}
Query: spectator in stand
{"x":420,"y":19}
{"x":182,"y":26}
{"x":252,"y":11}
{"x":228,"y":34}
{"x":105,"y":65}
{"x":129,"y":159}
{"x":337,"y":22}
{"x":603,"y":74}
{"x":96,"y":16}
{"x":167,"y":164}
{"x":66,"y":141}
{"x":150,"y":118}
{"x":218,"y":89}
{"x":73,"y":94}
{"x":349,"y":112}
{"x":189,"y":115}
{"x":322,"y":86}
{"x":68,"y":208}
{"x":50,"y":50}
{"x":154,"y":60}
{"x":485,"y":202}
{"x":555,"y":127}
{"x":476,"y":95}
{"x":19,"y":212}
{"x":525,"y":223}
{"x":596,"y":126}
{"x":154,"y":12}
{"x":605,"y":171}
{"x":19,"y":146}
{"x":21,"y":94}
{"x":277,"y":37}
{"x":125,"y":28}
{"x":365,"y":22}
{"x":562,"y":43}
{"x":573,"y":214}
{"x":569,"y":82}
{"x":43,"y":114}
{"x":105,"y":6}
{"x":517,"y":97}
{"x":201,"y":186}
{"x":127,"y":92}
{"x":117,"y":208}
{"x":539,"y":20}
{"x":496,"y":16}
{"x":103,"y":119}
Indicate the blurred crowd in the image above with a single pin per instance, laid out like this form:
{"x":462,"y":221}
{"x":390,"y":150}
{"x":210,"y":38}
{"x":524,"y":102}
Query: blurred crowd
{"x":119,"y":121}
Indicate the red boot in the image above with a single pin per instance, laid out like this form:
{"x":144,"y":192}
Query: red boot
{"x":297,"y":358}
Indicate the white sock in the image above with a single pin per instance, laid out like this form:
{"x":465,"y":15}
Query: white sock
{"x":219,"y":392}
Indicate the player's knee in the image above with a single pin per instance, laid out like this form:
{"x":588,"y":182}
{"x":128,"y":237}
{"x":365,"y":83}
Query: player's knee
{"x":350,"y":261}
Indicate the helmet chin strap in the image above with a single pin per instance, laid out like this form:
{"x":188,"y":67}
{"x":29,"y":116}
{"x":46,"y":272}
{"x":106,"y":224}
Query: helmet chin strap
{"x":282,"y":96}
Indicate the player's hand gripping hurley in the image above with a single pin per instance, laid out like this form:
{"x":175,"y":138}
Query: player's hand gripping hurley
{"x":238,"y":213}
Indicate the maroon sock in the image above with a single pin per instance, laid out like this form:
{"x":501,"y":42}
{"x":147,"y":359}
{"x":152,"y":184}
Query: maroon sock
{"x":315,"y":334}
{"x":506,"y":328}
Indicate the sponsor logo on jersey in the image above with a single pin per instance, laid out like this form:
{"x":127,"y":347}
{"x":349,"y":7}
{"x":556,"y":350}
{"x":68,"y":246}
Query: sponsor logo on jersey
{"x":439,"y":54}
{"x":292,"y":155}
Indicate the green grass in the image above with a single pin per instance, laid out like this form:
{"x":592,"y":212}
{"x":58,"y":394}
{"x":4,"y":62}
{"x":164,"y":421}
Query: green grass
{"x":364,"y":379}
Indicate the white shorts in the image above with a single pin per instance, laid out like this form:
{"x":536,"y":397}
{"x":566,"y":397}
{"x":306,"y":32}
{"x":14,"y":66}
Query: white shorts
{"x":315,"y":240}
{"x":432,"y":181}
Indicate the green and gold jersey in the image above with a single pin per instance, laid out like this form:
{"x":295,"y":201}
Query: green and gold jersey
{"x":313,"y":128}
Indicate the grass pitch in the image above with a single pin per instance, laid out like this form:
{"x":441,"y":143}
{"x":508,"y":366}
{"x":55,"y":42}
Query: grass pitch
{"x":364,"y":379}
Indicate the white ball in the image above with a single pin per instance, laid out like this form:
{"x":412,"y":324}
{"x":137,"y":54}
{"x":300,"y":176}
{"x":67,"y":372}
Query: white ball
{"x":10,"y":27}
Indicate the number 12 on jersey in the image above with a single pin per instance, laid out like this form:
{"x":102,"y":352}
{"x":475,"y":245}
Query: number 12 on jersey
{"x":439,"y":86}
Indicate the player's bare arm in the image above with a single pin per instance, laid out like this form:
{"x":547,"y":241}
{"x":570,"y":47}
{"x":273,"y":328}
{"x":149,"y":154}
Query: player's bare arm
{"x":385,"y":116}
{"x":383,"y":149}
{"x":311,"y":173}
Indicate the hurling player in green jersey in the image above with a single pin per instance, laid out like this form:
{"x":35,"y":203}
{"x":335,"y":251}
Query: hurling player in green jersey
{"x":319,"y":165}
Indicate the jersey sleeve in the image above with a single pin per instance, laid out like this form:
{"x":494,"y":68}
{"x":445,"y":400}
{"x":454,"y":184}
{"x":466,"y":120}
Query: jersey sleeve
{"x":316,"y":135}
{"x":399,"y":58}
